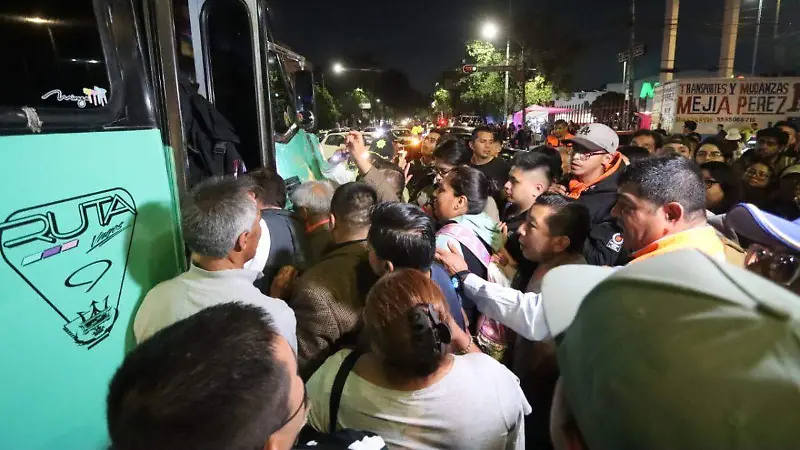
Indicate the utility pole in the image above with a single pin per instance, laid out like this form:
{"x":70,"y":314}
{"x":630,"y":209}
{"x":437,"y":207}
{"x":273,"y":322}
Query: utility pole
{"x":758,"y":33}
{"x":505,"y":96}
{"x":508,"y":58}
{"x":629,"y":98}
{"x":779,"y":49}
{"x":670,"y":40}
{"x":730,"y":32}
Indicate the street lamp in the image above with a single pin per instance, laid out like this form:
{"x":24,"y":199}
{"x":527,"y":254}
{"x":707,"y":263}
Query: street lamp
{"x":758,"y":32}
{"x":490,"y":31}
{"x":338,"y":68}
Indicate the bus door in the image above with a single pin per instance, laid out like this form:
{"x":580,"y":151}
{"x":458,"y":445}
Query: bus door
{"x":88,"y":217}
{"x":240,"y":69}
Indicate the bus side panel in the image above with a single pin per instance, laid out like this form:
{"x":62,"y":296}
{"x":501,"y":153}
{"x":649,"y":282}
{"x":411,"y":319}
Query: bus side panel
{"x":300,"y":157}
{"x":88,"y":225}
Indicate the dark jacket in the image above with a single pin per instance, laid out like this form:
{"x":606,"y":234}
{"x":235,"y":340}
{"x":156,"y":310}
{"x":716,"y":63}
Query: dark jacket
{"x":328,"y":300}
{"x":317,"y":241}
{"x":287,"y":244}
{"x":604,"y":245}
{"x":420,"y":186}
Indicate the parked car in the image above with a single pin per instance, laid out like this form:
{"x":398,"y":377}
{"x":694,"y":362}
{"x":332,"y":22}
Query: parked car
{"x":334,"y":141}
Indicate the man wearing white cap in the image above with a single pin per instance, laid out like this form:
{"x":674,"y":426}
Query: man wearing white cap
{"x":595,"y":167}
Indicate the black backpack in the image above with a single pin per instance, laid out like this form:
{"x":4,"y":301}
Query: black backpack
{"x":210,"y":139}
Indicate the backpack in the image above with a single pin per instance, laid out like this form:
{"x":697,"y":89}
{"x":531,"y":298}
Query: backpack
{"x":210,"y":139}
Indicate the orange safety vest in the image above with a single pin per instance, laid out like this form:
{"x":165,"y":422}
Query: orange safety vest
{"x":555,"y":142}
{"x":703,"y":238}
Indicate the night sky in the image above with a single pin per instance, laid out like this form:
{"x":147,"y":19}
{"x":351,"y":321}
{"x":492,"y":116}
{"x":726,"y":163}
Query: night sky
{"x":425,"y":37}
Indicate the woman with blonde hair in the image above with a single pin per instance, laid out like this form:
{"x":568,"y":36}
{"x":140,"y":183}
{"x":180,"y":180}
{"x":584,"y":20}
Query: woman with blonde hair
{"x":409,"y":389}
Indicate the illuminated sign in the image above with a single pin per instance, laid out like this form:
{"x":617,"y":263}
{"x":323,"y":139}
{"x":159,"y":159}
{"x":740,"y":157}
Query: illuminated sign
{"x":648,"y":89}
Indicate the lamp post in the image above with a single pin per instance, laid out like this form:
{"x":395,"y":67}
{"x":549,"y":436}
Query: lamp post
{"x":489,"y":32}
{"x":758,"y":32}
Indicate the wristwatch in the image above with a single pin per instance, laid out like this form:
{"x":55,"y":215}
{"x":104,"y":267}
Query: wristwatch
{"x":463,"y":275}
{"x":460,"y":277}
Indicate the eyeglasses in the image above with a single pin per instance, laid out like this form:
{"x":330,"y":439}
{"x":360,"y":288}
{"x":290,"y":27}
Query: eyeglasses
{"x":586,"y":155}
{"x":303,"y":405}
{"x":442,"y":172}
{"x":780,"y":267}
{"x":702,"y":154}
{"x":710,"y":183}
{"x":756,"y":174}
{"x":432,"y":140}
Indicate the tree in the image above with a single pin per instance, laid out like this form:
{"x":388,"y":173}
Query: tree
{"x":327,"y":110}
{"x":483,"y":91}
{"x":538,"y":91}
{"x":549,"y":45}
{"x":351,"y":103}
{"x":442,"y":102}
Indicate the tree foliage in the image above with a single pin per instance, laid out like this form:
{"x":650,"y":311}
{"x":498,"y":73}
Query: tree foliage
{"x":442,"y":102}
{"x":483,"y":91}
{"x":327,"y":110}
{"x":538,"y":91}
{"x":549,"y":45}
{"x":351,"y":102}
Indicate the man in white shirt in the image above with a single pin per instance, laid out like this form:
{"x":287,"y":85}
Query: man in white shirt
{"x":221,"y":228}
{"x":657,"y":218}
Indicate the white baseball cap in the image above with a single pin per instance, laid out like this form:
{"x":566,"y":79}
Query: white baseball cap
{"x":597,"y":136}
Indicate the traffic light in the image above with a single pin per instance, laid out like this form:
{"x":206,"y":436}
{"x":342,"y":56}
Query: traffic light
{"x":469,"y":68}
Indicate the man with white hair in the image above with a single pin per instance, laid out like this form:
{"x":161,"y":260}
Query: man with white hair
{"x":221,"y":228}
{"x":312,"y":201}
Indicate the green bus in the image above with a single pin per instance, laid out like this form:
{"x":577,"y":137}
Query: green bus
{"x":94,"y":163}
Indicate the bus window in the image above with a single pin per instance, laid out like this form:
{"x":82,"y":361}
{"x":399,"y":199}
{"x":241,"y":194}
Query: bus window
{"x":228,"y":40}
{"x":282,"y":102}
{"x":52,"y":55}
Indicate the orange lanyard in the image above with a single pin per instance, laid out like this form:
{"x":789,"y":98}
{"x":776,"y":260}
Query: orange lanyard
{"x":313,"y":227}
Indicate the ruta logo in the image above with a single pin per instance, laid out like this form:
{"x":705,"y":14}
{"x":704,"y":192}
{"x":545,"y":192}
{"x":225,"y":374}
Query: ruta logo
{"x":74,"y":253}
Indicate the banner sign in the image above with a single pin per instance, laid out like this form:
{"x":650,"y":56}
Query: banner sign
{"x":733,"y":101}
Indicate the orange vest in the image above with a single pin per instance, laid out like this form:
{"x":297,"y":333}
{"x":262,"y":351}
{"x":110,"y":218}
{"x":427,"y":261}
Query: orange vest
{"x":555,"y":142}
{"x":704,"y":239}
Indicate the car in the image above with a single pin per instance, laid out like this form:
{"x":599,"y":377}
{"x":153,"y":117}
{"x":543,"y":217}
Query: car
{"x":331,"y":143}
{"x":374,"y":132}
{"x":334,"y":141}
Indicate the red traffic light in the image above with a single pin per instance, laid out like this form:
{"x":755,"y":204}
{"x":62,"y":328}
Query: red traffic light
{"x":469,"y":68}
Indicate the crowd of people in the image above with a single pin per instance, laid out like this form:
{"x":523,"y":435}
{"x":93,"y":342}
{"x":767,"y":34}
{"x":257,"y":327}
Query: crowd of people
{"x":579,"y":295}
